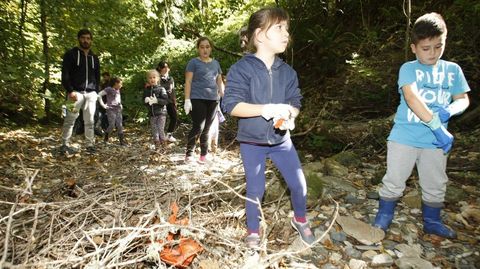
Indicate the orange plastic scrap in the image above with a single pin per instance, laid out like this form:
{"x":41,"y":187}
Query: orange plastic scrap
{"x":182,"y":254}
{"x":279,"y":123}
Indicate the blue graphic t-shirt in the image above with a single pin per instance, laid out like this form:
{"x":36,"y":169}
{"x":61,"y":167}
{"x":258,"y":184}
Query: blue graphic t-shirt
{"x":435,"y":85}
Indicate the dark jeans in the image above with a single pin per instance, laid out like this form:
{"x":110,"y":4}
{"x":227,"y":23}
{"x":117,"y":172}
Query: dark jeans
{"x":172,"y":115}
{"x":203,"y":113}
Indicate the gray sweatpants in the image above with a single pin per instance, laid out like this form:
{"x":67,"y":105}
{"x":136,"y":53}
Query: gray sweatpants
{"x":86,"y":102}
{"x":115,"y":120}
{"x":157,"y":124}
{"x":431,"y":166}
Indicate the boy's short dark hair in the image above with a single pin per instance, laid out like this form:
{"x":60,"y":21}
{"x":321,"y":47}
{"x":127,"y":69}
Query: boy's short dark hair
{"x":106,"y":73}
{"x":84,"y":32}
{"x":428,"y":26}
{"x":161,"y":65}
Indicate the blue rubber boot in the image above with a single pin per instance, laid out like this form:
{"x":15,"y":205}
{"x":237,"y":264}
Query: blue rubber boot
{"x":432,"y":223}
{"x":385,"y":213}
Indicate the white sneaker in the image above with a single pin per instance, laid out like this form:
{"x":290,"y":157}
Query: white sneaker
{"x":170,"y":138}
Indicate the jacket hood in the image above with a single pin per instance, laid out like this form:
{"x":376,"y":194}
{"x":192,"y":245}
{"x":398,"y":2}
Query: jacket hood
{"x":79,"y":53}
{"x":90,"y":52}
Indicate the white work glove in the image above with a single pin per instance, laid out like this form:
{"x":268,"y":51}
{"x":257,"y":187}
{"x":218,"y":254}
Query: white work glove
{"x":147,"y":100}
{"x":187,"y":106}
{"x":153,"y":100}
{"x":280,"y":111}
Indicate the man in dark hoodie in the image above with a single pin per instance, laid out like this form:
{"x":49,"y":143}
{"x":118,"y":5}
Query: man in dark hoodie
{"x":81,"y":80}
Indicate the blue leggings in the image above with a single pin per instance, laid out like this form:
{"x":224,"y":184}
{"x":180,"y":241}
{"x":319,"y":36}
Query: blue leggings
{"x":285,"y":158}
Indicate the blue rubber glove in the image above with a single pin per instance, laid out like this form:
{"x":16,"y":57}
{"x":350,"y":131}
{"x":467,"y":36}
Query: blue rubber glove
{"x":444,"y":138}
{"x":443,"y":113}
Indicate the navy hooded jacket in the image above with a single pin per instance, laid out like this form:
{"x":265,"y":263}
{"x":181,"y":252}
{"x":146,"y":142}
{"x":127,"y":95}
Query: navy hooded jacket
{"x":249,"y":81}
{"x":80,"y":72}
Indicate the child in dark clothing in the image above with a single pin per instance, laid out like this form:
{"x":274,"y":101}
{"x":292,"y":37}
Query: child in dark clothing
{"x":155,"y":98}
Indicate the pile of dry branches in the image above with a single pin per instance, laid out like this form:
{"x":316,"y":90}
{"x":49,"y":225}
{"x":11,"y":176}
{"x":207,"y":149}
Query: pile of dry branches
{"x":110,"y":210}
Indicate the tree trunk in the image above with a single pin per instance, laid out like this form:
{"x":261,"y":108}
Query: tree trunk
{"x":23,"y":16}
{"x":408,"y":13}
{"x":46,"y":55}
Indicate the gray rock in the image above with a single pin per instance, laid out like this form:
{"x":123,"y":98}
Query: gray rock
{"x":413,"y":263}
{"x":319,"y":253}
{"x":363,"y":232}
{"x":347,"y":158}
{"x":298,"y":245}
{"x":351,"y":199}
{"x":329,"y":266}
{"x":373,"y":247}
{"x":454,"y":194}
{"x":382,"y":260}
{"x":338,"y":236}
{"x":318,"y":233}
{"x":405,"y":250}
{"x":369,"y":254}
{"x":389,"y":244}
{"x":357,"y":264}
{"x":373,"y":195}
{"x":334,"y":168}
{"x":351,"y":252}
{"x":318,"y":183}
{"x":339,"y":184}
{"x":426,"y":244}
{"x":314,"y":167}
{"x":335,"y":257}
{"x":413,"y":199}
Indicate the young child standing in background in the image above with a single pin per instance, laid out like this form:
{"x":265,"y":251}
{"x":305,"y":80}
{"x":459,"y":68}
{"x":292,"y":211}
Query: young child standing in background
{"x":262,"y":91}
{"x":168,"y":83}
{"x":114,"y":109}
{"x":155,"y":98}
{"x":214,"y":131}
{"x":431,"y":91}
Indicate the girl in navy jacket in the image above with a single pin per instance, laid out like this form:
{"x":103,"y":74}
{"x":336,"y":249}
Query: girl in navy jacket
{"x":262,"y":91}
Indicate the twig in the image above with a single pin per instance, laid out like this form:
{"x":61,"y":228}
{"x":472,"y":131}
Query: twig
{"x":32,"y":234}
{"x":314,"y":124}
{"x":7,"y":234}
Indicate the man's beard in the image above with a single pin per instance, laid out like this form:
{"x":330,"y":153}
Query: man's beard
{"x":85,"y":45}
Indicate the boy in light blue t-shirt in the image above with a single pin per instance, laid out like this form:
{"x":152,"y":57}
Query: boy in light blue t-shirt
{"x":431,"y":91}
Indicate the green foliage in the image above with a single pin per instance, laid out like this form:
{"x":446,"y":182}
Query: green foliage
{"x":344,"y":51}
{"x":324,"y":144}
{"x":177,"y":50}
